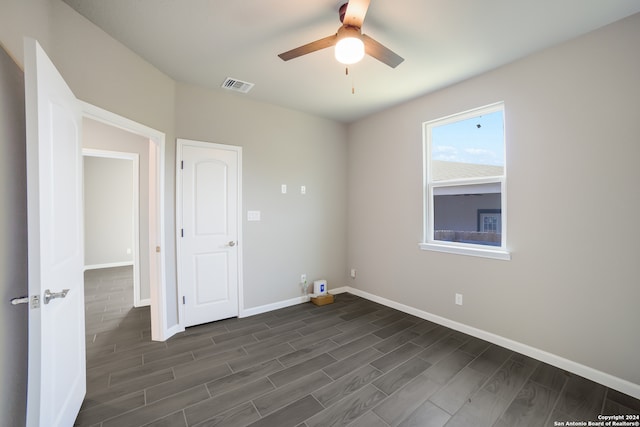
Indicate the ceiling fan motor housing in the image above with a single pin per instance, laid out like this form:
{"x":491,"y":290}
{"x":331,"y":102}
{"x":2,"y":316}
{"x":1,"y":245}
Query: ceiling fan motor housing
{"x":348,"y":31}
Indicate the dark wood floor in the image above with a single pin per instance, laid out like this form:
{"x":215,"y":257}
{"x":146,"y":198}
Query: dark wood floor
{"x":353,"y":363}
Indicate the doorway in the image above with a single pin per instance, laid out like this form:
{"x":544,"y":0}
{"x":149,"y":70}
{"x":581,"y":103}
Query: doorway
{"x":154,"y":251}
{"x":112,"y":214}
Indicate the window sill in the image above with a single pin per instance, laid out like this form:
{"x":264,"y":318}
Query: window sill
{"x":470,"y":251}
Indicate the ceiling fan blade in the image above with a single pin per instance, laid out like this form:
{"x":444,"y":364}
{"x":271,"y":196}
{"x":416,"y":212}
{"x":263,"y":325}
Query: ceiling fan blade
{"x":309,"y":47}
{"x":356,"y":10}
{"x":381,"y":53}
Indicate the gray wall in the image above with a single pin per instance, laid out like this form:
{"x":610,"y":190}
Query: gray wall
{"x":100,"y":136}
{"x":298,"y":233}
{"x":108,"y":211}
{"x":572,"y":148}
{"x":13,"y":244}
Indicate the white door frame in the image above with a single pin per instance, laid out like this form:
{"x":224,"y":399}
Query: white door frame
{"x":180,"y":142}
{"x":157,"y":242}
{"x":135,"y":158}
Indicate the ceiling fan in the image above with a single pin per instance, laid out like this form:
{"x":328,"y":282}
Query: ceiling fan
{"x":351,"y":45}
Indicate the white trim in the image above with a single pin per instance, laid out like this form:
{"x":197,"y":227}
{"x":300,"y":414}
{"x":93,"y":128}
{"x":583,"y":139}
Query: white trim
{"x":178,"y":232}
{"x":108,"y":265}
{"x":135,"y":158}
{"x":467,"y":250}
{"x":600,"y":377}
{"x":144,"y":302}
{"x":493,"y":186}
{"x":158,"y":288}
{"x":273,"y":306}
{"x":240,"y":236}
{"x":455,"y":186}
{"x":180,"y":143}
{"x":286,"y":303}
{"x":468,"y":114}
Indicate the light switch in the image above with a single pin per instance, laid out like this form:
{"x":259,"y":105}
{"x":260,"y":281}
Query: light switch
{"x":253,"y":215}
{"x":283,"y":188}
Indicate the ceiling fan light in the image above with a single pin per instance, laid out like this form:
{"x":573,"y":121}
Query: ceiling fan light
{"x":349,"y":50}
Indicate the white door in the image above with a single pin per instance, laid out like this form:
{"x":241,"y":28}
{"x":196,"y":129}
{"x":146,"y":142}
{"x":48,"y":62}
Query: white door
{"x":208,"y":218}
{"x":56,"y":377}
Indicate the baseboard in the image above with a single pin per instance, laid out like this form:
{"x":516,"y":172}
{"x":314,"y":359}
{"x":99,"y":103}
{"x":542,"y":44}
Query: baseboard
{"x":342,"y":290}
{"x":600,"y":377}
{"x":108,"y":265}
{"x":246,"y":312}
{"x":283,"y":304}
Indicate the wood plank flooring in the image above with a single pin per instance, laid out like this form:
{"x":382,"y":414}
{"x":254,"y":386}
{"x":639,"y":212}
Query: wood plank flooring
{"x":354,"y":363}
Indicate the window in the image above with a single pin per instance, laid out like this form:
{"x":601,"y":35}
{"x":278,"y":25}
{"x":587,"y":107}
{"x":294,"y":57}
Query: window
{"x":464,"y":188}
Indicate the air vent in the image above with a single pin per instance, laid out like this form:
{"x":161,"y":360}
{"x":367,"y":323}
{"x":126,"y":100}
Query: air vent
{"x":237,"y":85}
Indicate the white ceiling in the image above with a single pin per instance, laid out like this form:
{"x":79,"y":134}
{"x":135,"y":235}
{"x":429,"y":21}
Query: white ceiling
{"x":443,"y":42}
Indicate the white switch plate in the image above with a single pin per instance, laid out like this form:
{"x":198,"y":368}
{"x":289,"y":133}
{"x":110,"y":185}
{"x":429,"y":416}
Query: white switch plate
{"x":283,"y":188}
{"x":459,"y":299}
{"x":303,"y":189}
{"x":253,"y":215}
{"x":353,"y":273}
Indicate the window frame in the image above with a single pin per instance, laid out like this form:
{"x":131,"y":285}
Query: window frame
{"x":461,"y":248}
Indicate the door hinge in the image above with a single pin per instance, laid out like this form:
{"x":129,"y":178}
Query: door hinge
{"x":184,"y":300}
{"x":182,"y":232}
{"x":181,"y":164}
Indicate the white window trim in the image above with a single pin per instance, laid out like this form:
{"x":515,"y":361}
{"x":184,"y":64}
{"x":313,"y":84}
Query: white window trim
{"x":428,"y":243}
{"x":468,"y":249}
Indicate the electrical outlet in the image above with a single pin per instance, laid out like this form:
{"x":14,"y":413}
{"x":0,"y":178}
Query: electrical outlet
{"x":353,"y":273}
{"x":458,"y":299}
{"x":303,"y":278}
{"x":303,"y":189}
{"x":283,"y":188}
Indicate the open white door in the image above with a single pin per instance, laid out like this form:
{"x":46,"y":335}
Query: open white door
{"x":56,"y":378}
{"x":208,"y":211}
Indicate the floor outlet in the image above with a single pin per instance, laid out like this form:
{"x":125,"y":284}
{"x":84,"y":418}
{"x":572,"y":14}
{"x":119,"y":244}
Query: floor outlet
{"x":459,"y":299}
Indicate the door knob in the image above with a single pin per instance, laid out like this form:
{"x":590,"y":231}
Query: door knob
{"x":232,"y":243}
{"x":48,"y":295}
